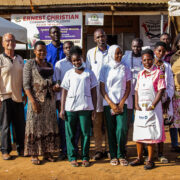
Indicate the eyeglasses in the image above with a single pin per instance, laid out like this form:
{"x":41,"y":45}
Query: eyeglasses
{"x":9,"y":40}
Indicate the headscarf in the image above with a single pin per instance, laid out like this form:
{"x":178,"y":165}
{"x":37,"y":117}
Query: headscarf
{"x":111,"y":55}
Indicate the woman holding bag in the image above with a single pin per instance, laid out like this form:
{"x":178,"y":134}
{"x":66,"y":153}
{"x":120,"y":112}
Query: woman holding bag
{"x":149,"y":117}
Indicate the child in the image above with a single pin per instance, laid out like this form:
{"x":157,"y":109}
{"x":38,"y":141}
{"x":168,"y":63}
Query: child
{"x":148,"y":124}
{"x":78,"y":102}
{"x":115,"y":86}
{"x":61,"y":68}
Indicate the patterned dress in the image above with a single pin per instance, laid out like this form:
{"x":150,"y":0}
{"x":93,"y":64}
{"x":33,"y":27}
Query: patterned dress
{"x":175,"y":64}
{"x":41,"y":135}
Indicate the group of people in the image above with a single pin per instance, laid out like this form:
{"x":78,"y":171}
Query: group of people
{"x":101,"y":95}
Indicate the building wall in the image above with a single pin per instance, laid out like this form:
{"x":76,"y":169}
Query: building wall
{"x":125,"y":29}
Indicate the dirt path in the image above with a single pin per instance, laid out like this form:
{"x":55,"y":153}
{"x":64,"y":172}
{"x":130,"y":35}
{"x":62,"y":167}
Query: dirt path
{"x":21,"y":169}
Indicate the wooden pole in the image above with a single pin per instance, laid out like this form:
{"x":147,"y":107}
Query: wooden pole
{"x":169,"y":24}
{"x":113,"y":10}
{"x":162,"y":23}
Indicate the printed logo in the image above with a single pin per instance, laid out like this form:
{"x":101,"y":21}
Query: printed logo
{"x":17,"y":19}
{"x":94,"y":17}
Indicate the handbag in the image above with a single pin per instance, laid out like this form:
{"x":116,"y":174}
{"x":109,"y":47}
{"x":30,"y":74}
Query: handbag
{"x":145,"y":118}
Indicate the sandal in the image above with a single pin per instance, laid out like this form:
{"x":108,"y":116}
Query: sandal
{"x":137,"y":162}
{"x":35,"y":161}
{"x":74,"y":163}
{"x":123,"y":162}
{"x":149,"y":165}
{"x":85,"y":163}
{"x":163,"y":159}
{"x":98,"y":155}
{"x":114,"y":162}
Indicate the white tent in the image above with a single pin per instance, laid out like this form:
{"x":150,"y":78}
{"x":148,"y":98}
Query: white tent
{"x":19,"y":32}
{"x":174,"y":8}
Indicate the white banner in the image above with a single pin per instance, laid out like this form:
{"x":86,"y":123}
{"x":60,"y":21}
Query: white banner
{"x":95,"y":19}
{"x":150,"y":29}
{"x":38,"y":25}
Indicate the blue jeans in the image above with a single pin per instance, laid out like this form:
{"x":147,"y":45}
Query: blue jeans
{"x":174,"y":137}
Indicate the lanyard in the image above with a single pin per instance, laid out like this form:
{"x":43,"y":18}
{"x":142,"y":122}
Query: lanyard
{"x":95,"y":61}
{"x":132,"y":62}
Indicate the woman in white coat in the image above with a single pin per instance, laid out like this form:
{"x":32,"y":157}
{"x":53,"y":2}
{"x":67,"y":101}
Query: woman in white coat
{"x":115,"y":86}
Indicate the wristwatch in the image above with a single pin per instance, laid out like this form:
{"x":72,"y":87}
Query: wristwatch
{"x":152,"y":107}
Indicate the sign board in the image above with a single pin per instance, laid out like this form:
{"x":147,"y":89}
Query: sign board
{"x":150,"y":29}
{"x":95,"y":19}
{"x":38,"y":25}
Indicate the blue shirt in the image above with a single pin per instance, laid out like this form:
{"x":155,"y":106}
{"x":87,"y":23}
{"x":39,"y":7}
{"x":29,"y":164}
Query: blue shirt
{"x":52,"y":53}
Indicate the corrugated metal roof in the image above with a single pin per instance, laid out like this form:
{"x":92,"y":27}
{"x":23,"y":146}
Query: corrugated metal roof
{"x":77,"y":2}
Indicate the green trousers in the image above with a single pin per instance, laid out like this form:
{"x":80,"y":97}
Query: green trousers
{"x":117,"y":132}
{"x":70,"y":128}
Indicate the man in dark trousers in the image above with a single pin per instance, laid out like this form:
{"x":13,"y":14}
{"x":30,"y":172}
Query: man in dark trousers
{"x":11,"y":100}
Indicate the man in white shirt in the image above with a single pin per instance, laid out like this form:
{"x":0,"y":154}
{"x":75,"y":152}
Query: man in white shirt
{"x":11,"y":101}
{"x":96,"y":58}
{"x":132,"y":59}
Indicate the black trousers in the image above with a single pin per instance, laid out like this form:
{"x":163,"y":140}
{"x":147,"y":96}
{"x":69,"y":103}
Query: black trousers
{"x":11,"y":111}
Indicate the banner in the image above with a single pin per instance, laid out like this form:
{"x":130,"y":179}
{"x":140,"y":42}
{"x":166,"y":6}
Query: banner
{"x":150,"y":29}
{"x":38,"y":25}
{"x":95,"y":19}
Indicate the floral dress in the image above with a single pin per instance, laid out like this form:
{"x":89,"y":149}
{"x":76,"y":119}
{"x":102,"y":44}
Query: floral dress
{"x":41,"y":135}
{"x":175,"y":64}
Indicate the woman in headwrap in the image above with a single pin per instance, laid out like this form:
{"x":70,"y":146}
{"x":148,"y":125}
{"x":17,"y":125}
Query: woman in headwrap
{"x":115,"y":83}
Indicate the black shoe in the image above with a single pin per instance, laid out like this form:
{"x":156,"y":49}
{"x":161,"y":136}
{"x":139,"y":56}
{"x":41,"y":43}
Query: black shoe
{"x":98,"y":155}
{"x":137,"y":162}
{"x":106,"y":154}
{"x":62,"y":157}
{"x":21,"y":153}
{"x":79,"y":156}
{"x":149,"y":165}
{"x":175,"y":149}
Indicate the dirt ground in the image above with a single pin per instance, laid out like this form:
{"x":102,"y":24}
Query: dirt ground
{"x":20,"y":168}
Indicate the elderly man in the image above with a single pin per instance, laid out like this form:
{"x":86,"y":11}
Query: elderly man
{"x":96,"y":58}
{"x":12,"y":109}
{"x":55,"y":48}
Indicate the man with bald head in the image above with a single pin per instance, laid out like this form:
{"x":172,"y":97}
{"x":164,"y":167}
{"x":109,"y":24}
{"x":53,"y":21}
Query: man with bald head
{"x":12,"y":108}
{"x":96,"y":58}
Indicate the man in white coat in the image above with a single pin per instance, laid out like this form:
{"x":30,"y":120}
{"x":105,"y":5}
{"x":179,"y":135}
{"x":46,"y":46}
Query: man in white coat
{"x":96,"y":58}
